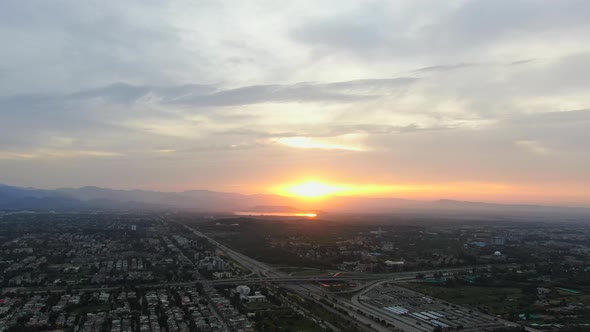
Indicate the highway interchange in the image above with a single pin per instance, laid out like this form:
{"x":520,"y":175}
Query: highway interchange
{"x":366,"y":317}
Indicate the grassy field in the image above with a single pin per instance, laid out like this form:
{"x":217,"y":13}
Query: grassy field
{"x":286,"y":320}
{"x":298,"y":271}
{"x":252,"y":307}
{"x":307,"y":273}
{"x":290,"y":269}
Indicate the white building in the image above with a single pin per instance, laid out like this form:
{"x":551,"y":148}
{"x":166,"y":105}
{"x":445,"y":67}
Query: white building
{"x":257,"y":297}
{"x":498,"y":240}
{"x":243,"y":290}
{"x":394,"y":263}
{"x":387,"y":246}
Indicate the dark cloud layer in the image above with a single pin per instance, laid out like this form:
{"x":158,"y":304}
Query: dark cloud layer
{"x":348,"y":91}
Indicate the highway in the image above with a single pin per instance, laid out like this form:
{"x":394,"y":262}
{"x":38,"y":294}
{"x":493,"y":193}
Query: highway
{"x":267,"y":273}
{"x":257,"y":268}
{"x":276,"y":276}
{"x":312,"y":291}
{"x":305,"y":291}
{"x":368,"y":317}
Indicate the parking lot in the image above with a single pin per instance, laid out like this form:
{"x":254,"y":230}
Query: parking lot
{"x":422,"y":311}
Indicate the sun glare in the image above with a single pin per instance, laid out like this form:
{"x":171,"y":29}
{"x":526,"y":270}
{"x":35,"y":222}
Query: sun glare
{"x":312,"y":189}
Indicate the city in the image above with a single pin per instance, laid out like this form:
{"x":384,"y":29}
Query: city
{"x":183,"y":272}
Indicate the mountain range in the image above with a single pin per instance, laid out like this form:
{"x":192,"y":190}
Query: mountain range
{"x":95,"y":198}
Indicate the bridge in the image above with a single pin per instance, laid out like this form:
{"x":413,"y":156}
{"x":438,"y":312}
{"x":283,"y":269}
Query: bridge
{"x":361,"y":277}
{"x":292,"y":279}
{"x":261,"y":272}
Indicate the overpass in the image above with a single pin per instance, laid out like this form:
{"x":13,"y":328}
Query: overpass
{"x":282,"y":277}
{"x":260,"y":269}
{"x":365,"y":277}
{"x":374,"y":319}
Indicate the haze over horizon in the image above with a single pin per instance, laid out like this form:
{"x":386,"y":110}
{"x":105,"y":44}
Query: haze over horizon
{"x":467,"y":100}
{"x":280,"y":202}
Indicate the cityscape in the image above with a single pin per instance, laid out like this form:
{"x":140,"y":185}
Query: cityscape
{"x":190,"y":272}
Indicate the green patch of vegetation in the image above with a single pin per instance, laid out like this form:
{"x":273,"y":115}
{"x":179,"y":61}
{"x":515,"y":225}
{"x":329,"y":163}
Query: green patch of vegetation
{"x":250,"y":307}
{"x":289,"y":269}
{"x":307,"y":273}
{"x":284,"y":320}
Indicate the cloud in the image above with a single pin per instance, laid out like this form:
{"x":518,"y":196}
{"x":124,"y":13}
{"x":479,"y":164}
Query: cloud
{"x":469,"y":65}
{"x":347,"y":142}
{"x":383,"y":29}
{"x":167,"y":94}
{"x":208,"y":95}
{"x":554,"y":118}
{"x":56,"y":153}
{"x":481,"y":22}
{"x":124,"y":92}
{"x":346,"y":91}
{"x":65,"y":45}
{"x":532,"y":146}
{"x":443,"y":68}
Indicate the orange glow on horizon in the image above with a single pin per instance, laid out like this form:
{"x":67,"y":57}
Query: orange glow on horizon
{"x":315,"y":190}
{"x":311,"y":189}
{"x":318,"y":190}
{"x":278,"y":214}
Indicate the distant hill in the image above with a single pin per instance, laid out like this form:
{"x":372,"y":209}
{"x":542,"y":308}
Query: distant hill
{"x":88,"y":198}
{"x":204,"y":200}
{"x":16,"y":198}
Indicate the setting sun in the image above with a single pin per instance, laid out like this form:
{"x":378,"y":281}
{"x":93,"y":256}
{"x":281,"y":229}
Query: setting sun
{"x":315,"y":189}
{"x":311,"y":189}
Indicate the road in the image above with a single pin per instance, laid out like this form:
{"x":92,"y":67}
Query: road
{"x":368,"y":317}
{"x":358,"y":312}
{"x":276,"y":276}
{"x":256,"y":267}
{"x":402,"y":323}
{"x":364,"y":323}
{"x":262,"y":273}
{"x":263,"y":270}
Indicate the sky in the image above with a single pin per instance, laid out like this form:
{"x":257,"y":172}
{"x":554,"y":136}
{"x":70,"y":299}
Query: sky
{"x":472,"y":100}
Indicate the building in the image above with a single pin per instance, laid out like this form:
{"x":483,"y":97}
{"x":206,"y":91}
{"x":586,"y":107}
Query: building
{"x":394,"y":263}
{"x":257,"y":297}
{"x":498,"y":240}
{"x":212,"y":264}
{"x":243,"y":290}
{"x":387,"y":246}
{"x":378,"y":232}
